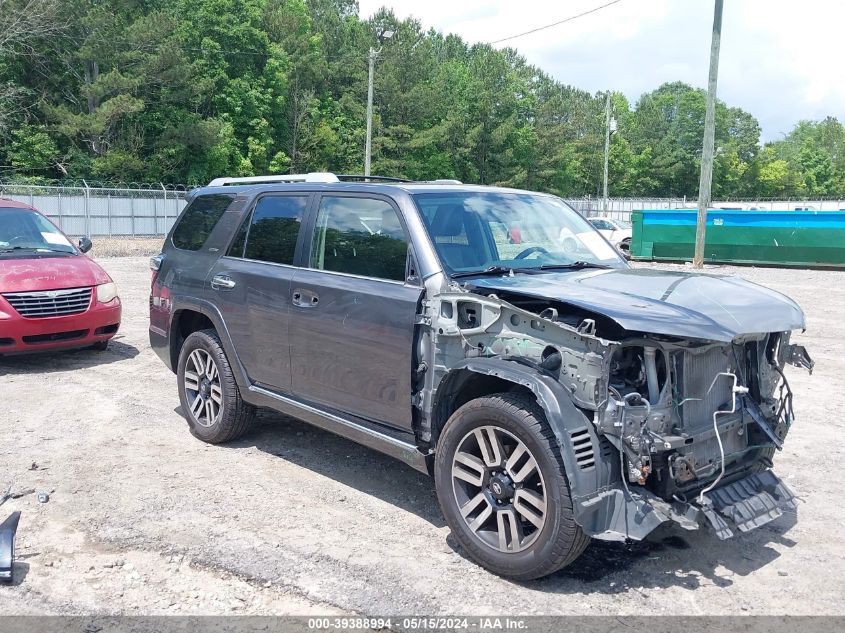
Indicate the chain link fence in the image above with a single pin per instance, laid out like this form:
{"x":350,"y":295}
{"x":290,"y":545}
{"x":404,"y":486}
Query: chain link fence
{"x":621,"y":208}
{"x":150,"y":209}
{"x":98,"y":211}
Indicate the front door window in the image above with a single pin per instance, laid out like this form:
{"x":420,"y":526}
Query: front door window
{"x":359,"y":236}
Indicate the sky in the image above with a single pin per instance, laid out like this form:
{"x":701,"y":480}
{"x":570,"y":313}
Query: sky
{"x":781,"y":60}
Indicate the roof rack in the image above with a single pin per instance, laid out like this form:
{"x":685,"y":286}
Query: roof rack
{"x":361,"y":177}
{"x":320,"y":176}
{"x":316,"y":176}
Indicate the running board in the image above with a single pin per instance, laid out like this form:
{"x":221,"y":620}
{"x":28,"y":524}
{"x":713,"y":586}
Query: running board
{"x":355,"y":431}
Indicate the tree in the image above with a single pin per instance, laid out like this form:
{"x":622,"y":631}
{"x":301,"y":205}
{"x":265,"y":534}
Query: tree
{"x":186,"y":90}
{"x":33,"y":151}
{"x":23,"y":24}
{"x":24,"y":21}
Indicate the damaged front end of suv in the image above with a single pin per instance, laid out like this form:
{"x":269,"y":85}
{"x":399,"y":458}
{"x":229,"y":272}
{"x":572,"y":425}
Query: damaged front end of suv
{"x":666,"y":390}
{"x":696,"y":424}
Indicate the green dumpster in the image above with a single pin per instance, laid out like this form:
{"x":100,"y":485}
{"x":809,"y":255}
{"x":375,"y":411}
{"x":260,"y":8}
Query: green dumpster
{"x":783,"y":238}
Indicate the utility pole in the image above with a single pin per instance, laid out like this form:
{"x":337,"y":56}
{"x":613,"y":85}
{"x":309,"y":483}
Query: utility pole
{"x":369,"y":146}
{"x":606,"y":148}
{"x":706,"y":180}
{"x":372,"y":57}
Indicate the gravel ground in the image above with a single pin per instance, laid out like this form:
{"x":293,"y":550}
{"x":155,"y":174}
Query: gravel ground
{"x":124,"y":246}
{"x":143,"y":518}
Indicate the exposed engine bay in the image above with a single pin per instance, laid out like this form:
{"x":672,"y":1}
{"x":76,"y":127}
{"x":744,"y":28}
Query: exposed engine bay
{"x":686,"y":428}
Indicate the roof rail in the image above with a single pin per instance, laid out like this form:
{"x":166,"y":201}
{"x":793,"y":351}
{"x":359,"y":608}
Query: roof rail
{"x":317,"y":176}
{"x":361,"y":177}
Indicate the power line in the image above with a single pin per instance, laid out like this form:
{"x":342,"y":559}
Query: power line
{"x":548,"y":26}
{"x":85,"y":40}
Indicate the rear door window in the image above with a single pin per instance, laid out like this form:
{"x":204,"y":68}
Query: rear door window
{"x":359,"y":236}
{"x":270,"y":233}
{"x":198,"y":220}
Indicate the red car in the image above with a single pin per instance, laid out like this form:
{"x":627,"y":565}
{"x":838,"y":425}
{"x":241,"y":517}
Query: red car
{"x":52,"y":296}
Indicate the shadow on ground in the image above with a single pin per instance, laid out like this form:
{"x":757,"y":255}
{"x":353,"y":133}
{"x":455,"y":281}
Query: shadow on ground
{"x":19,"y":573}
{"x":344,"y":461}
{"x":64,"y":360}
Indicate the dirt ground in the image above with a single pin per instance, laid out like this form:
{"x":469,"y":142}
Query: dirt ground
{"x":143,"y":518}
{"x":124,"y":246}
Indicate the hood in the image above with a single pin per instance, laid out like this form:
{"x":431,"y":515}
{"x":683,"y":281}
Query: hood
{"x":19,"y":274}
{"x":689,"y":305}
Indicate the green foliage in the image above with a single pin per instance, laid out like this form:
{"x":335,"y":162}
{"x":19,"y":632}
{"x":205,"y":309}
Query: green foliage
{"x":32,"y":150}
{"x":118,"y":165}
{"x":187,"y":90}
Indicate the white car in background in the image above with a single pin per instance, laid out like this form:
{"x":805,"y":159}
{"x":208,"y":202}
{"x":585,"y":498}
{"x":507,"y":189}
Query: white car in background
{"x":617,"y":232}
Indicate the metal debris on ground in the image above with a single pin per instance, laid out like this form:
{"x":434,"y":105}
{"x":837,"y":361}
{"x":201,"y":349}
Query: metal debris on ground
{"x":7,"y":546}
{"x":8,"y":494}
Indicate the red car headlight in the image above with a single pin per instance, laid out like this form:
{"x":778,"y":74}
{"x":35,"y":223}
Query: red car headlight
{"x":106,"y":292}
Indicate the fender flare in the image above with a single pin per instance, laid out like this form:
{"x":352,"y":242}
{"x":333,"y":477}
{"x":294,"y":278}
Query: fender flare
{"x":209,"y":310}
{"x":591,"y":465}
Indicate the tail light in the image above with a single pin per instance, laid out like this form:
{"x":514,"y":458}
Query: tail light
{"x":155,"y":266}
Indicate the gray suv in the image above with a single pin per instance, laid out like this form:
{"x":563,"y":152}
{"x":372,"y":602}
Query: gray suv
{"x":492,"y":338}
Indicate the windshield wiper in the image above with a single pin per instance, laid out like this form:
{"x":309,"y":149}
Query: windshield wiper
{"x":44,"y":249}
{"x":490,"y":270}
{"x":508,"y":270}
{"x":571,"y":266}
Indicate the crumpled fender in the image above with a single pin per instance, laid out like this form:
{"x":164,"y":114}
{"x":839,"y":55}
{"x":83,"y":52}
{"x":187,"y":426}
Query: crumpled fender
{"x":601,"y":506}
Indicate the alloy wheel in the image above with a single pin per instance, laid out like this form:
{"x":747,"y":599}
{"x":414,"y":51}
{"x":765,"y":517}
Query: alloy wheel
{"x":499,"y":489}
{"x":202,"y":387}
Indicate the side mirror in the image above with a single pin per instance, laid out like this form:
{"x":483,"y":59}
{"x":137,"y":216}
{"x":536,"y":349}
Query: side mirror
{"x":85,"y":244}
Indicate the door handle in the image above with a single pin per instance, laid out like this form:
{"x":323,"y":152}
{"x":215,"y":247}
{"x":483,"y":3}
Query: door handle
{"x":222,"y":282}
{"x":305,"y":298}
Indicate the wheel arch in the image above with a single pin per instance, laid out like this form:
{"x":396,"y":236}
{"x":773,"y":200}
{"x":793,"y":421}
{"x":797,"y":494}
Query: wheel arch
{"x":588,"y":462}
{"x":184,"y":323}
{"x":463,"y":384}
{"x":192,"y":316}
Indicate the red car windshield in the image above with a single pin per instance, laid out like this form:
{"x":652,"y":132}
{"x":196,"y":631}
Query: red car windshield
{"x":23,"y":230}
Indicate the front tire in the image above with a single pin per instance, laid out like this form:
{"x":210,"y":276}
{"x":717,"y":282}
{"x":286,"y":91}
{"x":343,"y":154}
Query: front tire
{"x":502,"y":488}
{"x":210,"y":398}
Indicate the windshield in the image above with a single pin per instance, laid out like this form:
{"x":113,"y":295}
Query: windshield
{"x":481,"y":231}
{"x":23,"y":230}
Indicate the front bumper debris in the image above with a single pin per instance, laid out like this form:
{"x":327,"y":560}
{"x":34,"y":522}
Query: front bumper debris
{"x":747,"y":504}
{"x":741,"y":505}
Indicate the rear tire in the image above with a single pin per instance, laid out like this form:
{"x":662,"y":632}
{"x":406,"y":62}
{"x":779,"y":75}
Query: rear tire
{"x":210,"y":398}
{"x":519,"y":518}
